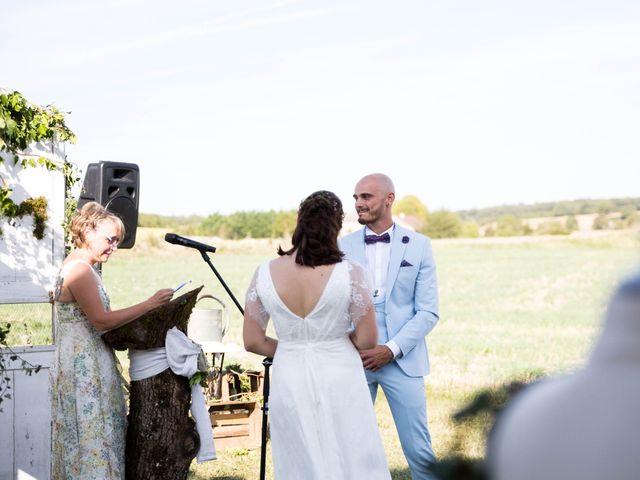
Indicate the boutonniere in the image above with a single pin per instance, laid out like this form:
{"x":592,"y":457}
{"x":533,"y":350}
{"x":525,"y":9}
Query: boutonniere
{"x":405,"y":239}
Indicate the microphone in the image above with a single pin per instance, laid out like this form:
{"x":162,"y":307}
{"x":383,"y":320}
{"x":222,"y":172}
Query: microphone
{"x":186,"y":242}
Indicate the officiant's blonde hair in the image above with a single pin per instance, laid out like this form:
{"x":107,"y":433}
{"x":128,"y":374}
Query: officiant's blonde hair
{"x":90,"y":215}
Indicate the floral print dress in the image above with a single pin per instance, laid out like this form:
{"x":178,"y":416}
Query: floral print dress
{"x":87,"y":396}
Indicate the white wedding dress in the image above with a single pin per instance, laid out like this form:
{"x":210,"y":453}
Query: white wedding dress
{"x":322,"y":421}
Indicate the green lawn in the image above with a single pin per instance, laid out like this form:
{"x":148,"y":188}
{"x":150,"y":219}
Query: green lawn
{"x":509,"y":309}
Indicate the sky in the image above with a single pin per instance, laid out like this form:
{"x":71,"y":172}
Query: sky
{"x":228,"y":106}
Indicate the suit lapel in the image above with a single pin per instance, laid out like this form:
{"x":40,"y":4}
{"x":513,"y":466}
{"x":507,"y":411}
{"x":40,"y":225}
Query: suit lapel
{"x":397,"y":254}
{"x":358,"y":251}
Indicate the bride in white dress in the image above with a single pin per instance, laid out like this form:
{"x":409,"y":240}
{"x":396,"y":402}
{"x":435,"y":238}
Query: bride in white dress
{"x":323,"y":424}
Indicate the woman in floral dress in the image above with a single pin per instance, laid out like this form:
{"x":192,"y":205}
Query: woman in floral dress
{"x":88,"y":405}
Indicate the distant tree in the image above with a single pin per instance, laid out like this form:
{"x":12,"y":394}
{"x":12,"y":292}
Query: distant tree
{"x":284,"y":224}
{"x":553,"y":227}
{"x":155,"y":221}
{"x":549,"y":209}
{"x":627,"y":212}
{"x":571,"y":223}
{"x":584,"y":208}
{"x":617,"y":223}
{"x":601,"y":222}
{"x":606,"y":206}
{"x":212,"y":225}
{"x":470,"y":230}
{"x":443,"y":224}
{"x":511,"y":226}
{"x":633,"y":220}
{"x":184,"y":225}
{"x":411,"y":205}
{"x":250,"y":224}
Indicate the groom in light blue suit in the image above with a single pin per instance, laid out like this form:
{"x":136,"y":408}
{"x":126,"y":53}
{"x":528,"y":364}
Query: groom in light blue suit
{"x":405,"y":297}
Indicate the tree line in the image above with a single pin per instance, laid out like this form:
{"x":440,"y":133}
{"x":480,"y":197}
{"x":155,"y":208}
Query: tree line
{"x":552,"y":209}
{"x":506,"y":220}
{"x":238,"y":225}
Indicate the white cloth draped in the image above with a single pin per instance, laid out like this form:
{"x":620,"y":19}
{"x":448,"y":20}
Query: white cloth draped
{"x":180,"y":353}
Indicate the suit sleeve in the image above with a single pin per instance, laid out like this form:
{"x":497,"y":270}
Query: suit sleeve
{"x":425,"y":305}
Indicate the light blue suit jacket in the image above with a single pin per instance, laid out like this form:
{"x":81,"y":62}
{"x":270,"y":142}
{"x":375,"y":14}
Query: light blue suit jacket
{"x":411,"y":301}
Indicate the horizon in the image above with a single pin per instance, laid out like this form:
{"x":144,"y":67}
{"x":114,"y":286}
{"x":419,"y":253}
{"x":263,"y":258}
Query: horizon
{"x":347,"y":213}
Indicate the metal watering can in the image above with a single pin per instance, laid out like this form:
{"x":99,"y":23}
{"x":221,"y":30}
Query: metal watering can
{"x":208,"y":325}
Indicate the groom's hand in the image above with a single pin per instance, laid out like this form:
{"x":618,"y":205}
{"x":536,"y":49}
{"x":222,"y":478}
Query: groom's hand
{"x":375,"y":358}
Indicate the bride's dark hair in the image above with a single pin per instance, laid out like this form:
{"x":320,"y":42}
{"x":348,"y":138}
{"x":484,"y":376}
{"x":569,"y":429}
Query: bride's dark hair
{"x":315,"y":239}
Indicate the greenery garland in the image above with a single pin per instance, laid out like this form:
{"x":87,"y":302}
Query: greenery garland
{"x":37,"y":207}
{"x":21,"y":125}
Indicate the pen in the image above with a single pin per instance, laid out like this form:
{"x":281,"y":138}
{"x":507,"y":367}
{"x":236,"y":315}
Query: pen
{"x":181,"y":285}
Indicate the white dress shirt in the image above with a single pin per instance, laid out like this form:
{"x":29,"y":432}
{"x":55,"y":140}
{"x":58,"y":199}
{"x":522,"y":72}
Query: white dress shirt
{"x":378,"y":255}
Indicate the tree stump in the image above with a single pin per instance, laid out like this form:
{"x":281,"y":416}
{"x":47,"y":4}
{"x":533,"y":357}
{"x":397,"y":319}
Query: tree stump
{"x":161,"y":437}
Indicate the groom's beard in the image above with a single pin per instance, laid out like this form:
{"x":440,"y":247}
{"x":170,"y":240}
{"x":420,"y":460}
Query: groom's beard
{"x":367,"y":216}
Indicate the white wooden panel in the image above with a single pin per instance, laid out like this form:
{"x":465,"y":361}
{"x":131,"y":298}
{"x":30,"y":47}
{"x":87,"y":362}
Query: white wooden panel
{"x":28,"y":266}
{"x":27,"y":418}
{"x":7,"y":434}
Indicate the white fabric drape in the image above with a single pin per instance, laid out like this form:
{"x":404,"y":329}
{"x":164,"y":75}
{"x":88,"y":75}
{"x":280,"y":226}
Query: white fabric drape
{"x":180,"y":353}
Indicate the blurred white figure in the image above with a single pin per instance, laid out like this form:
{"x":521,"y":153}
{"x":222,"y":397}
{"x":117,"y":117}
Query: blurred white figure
{"x":585,"y":426}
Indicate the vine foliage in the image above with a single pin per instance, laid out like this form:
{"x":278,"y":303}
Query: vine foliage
{"x":28,"y":367}
{"x":21,"y":125}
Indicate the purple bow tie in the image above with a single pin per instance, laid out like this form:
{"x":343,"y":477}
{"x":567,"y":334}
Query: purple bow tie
{"x":384,"y":238}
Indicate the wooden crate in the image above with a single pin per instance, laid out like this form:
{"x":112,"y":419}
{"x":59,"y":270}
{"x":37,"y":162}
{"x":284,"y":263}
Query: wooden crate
{"x":236,"y":424}
{"x":236,"y":418}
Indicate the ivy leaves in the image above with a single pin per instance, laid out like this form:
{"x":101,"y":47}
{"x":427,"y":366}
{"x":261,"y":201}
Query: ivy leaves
{"x":37,"y":207}
{"x":22,"y":123}
{"x":199,"y":378}
{"x":10,"y":356}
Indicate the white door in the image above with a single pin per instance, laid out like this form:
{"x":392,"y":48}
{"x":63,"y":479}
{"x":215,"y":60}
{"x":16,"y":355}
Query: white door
{"x":25,"y":420}
{"x":27,"y":272}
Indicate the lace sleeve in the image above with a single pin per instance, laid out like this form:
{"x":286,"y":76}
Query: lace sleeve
{"x":253,"y":307}
{"x":361,"y":287}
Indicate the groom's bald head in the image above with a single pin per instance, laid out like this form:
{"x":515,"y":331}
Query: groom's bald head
{"x":382,"y":181}
{"x":374,"y":195}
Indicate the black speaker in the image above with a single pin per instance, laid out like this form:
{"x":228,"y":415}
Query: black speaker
{"x":115,"y":186}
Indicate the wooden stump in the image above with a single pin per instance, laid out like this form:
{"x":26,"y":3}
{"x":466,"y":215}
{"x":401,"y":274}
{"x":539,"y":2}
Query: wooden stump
{"x":161,"y":437}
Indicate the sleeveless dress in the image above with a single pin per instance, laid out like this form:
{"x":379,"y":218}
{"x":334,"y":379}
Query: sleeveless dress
{"x":322,"y":421}
{"x":87,"y":396}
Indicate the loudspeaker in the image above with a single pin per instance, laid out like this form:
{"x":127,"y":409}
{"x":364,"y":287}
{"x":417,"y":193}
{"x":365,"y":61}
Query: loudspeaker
{"x":115,"y":186}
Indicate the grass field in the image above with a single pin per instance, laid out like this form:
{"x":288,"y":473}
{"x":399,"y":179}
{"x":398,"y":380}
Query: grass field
{"x":509,"y":308}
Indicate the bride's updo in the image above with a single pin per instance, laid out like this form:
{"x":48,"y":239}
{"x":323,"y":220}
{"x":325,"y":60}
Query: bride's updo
{"x":89,"y":217}
{"x":315,"y":239}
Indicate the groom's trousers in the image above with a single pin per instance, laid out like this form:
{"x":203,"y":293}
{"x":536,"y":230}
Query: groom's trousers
{"x":407,"y":400}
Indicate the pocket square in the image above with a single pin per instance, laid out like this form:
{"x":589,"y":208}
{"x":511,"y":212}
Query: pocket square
{"x":406,"y":264}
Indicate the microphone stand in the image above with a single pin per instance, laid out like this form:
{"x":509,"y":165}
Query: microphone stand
{"x":267,"y":362}
{"x":208,"y":260}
